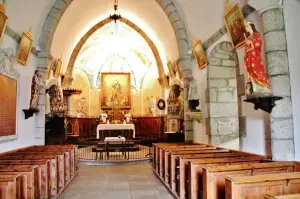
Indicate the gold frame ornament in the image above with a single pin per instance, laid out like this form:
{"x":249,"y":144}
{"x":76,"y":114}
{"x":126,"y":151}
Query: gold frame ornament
{"x":24,"y":48}
{"x":171,"y":69}
{"x":58,"y":68}
{"x":3,"y":20}
{"x":199,"y":54}
{"x":65,"y":80}
{"x":48,"y":71}
{"x":234,"y":18}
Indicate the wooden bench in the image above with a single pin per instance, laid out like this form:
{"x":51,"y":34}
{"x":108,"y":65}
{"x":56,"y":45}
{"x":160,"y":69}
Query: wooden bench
{"x":291,"y":196}
{"x":11,"y":187}
{"x":213,"y":177}
{"x":240,"y":187}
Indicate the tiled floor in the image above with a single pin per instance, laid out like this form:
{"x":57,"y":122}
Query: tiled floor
{"x":116,"y":182}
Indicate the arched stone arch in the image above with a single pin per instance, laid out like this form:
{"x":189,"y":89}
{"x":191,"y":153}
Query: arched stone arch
{"x":184,"y":61}
{"x":99,"y":25}
{"x":223,"y":104}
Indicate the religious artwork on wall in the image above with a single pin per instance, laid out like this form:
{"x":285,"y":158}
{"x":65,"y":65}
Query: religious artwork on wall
{"x":173,"y":125}
{"x":58,"y":68}
{"x":179,"y":69}
{"x":173,"y":101}
{"x":171,"y":69}
{"x":115,"y":90}
{"x":37,"y":83}
{"x":151,"y":105}
{"x":258,"y":85}
{"x":3,"y":21}
{"x":24,"y":48}
{"x":234,"y":21}
{"x":49,"y":68}
{"x":199,"y":54}
{"x":65,"y":80}
{"x":166,"y":81}
{"x":193,"y":95}
{"x":8,"y":96}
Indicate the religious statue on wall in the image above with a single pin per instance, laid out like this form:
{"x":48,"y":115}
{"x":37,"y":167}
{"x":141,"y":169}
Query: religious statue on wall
{"x":56,"y":100}
{"x":258,"y":85}
{"x":174,"y":106}
{"x":193,"y":96}
{"x":37,"y":83}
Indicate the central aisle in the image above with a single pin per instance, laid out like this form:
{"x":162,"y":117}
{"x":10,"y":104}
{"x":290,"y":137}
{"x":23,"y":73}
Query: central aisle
{"x":111,"y":182}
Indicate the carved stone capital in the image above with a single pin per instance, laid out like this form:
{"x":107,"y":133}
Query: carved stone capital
{"x":265,"y":5}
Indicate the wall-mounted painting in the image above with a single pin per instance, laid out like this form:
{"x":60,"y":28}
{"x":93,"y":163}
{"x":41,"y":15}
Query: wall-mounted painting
{"x":234,"y":21}
{"x":58,"y":68}
{"x":65,"y":80}
{"x":3,"y":23}
{"x":25,"y":48}
{"x":179,"y":69}
{"x":199,"y":54}
{"x":171,"y":69}
{"x":115,"y":90}
{"x":173,"y":125}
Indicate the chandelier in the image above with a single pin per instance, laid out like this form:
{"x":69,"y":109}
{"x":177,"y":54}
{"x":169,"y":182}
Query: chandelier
{"x":116,"y":15}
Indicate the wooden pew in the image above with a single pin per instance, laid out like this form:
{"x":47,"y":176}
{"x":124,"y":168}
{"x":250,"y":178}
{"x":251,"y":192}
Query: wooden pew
{"x":10,"y":187}
{"x":291,"y":196}
{"x":33,"y":176}
{"x":161,"y":151}
{"x":53,"y":177}
{"x":44,"y":164}
{"x":213,"y":177}
{"x":191,"y":171}
{"x":241,"y":187}
{"x":167,"y":160}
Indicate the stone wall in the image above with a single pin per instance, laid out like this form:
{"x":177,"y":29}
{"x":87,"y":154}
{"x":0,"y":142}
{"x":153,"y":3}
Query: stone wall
{"x":222,"y":121}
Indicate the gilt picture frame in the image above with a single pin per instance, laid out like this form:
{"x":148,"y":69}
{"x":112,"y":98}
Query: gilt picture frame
{"x":3,"y":24}
{"x":65,"y":80}
{"x":58,"y":68}
{"x":171,"y":69}
{"x":115,"y":90}
{"x":24,"y":49}
{"x":234,"y":21}
{"x":49,"y":68}
{"x":199,"y":54}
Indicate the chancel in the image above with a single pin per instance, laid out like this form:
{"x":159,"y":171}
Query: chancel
{"x":123,"y":99}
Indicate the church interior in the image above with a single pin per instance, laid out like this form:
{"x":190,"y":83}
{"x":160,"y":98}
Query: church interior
{"x":155,"y":99}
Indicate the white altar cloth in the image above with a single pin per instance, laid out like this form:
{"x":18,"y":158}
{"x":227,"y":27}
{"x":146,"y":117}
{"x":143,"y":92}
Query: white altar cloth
{"x":102,"y":127}
{"x":114,"y":139}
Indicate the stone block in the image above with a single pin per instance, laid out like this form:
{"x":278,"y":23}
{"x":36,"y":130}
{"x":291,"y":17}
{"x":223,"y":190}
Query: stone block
{"x":221,"y":72}
{"x":282,"y":129}
{"x":223,"y":110}
{"x":181,"y":34}
{"x":241,"y":85}
{"x":273,"y":20}
{"x":178,"y":25}
{"x":229,"y":63}
{"x":225,"y":126}
{"x":278,"y":63}
{"x":174,"y":16}
{"x":283,"y":150}
{"x":283,"y":109}
{"x":43,"y":62}
{"x":45,"y":40}
{"x":232,"y":82}
{"x":60,"y":5}
{"x":279,"y":45}
{"x":221,"y":56}
{"x":213,"y":95}
{"x":169,"y":9}
{"x":216,"y":140}
{"x":281,"y":85}
{"x":215,"y":61}
{"x":225,"y":96}
{"x":223,"y":89}
{"x":183,"y":47}
{"x":217,"y":82}
{"x":55,"y":13}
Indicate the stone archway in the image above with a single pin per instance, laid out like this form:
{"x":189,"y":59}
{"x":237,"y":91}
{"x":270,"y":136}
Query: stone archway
{"x":184,"y":61}
{"x":99,"y":25}
{"x":223,"y":104}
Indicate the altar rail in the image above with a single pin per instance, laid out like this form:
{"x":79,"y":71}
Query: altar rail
{"x":114,"y":151}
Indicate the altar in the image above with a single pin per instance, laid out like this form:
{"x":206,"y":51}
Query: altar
{"x":107,"y":127}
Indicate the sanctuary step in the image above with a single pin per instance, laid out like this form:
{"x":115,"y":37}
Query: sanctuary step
{"x":37,"y":171}
{"x":193,"y":171}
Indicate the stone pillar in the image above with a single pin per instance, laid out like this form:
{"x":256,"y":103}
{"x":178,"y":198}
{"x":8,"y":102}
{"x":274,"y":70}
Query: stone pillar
{"x":185,"y":63}
{"x":43,"y":61}
{"x":281,"y":118}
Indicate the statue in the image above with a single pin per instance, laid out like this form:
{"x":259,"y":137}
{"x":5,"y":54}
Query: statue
{"x":258,"y":85}
{"x":193,"y":96}
{"x":6,"y":64}
{"x":56,"y":101}
{"x":37,"y":83}
{"x":173,"y":101}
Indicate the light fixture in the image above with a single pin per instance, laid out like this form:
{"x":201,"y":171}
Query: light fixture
{"x":116,"y":15}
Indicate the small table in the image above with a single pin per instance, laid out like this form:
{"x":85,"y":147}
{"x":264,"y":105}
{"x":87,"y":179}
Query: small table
{"x":102,"y":127}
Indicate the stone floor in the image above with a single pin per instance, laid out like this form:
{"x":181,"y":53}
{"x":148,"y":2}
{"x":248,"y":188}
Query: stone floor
{"x":116,"y":182}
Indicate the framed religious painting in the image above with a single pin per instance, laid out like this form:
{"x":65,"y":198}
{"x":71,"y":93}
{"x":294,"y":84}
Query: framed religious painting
{"x":199,"y":54}
{"x":65,"y":80}
{"x":173,"y":125}
{"x":3,"y":23}
{"x":115,"y":91}
{"x":234,"y":21}
{"x":24,"y":48}
{"x":179,"y":70}
{"x":57,"y":68}
{"x":171,"y":69}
